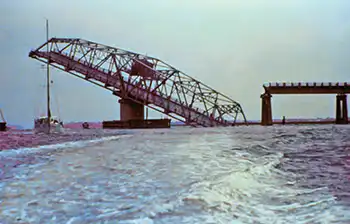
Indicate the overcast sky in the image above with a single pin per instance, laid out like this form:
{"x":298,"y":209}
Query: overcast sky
{"x":233,"y":46}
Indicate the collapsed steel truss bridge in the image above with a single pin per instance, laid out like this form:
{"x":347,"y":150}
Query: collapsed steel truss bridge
{"x":143,"y":79}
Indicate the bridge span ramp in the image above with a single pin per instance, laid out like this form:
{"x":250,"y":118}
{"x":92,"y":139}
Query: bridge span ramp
{"x":143,"y":79}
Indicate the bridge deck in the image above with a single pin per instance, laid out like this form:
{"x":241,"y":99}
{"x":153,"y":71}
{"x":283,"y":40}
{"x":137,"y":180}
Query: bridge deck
{"x":142,"y":79}
{"x":307,"y":88}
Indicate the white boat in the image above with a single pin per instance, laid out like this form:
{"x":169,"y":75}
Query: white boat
{"x":41,"y":125}
{"x":3,"y":122}
{"x":48,"y":124}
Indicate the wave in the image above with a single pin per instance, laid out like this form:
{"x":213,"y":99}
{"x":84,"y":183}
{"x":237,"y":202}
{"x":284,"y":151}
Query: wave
{"x":182,"y":176}
{"x":254,"y":191}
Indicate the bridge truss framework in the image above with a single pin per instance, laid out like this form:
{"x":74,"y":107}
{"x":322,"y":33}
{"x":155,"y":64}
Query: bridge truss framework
{"x":143,"y":79}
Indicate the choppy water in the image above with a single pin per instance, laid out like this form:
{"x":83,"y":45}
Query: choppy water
{"x":184,"y":175}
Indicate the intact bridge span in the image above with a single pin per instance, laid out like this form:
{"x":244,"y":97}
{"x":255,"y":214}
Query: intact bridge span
{"x":340,"y":89}
{"x":140,"y":81}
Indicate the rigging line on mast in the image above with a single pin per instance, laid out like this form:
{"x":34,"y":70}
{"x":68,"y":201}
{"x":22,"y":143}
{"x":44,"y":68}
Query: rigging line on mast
{"x":48,"y":76}
{"x":39,"y":108}
{"x":56,"y":102}
{"x":37,"y":103}
{"x":2,"y":116}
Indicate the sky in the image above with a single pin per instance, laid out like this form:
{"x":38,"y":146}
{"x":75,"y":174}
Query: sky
{"x":233,"y":46}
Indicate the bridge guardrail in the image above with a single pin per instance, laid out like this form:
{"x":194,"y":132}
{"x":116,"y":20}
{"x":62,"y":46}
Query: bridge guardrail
{"x":305,"y":84}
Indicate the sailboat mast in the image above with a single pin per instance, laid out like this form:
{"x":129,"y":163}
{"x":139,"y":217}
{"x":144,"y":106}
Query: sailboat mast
{"x":48,"y":76}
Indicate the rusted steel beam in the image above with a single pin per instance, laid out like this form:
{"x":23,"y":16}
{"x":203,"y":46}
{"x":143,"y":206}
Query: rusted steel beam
{"x":143,"y":79}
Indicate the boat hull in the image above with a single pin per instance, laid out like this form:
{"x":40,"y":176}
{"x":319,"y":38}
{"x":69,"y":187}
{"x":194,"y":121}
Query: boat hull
{"x":42,"y":126}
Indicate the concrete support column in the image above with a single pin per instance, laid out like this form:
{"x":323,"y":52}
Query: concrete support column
{"x":338,"y":113}
{"x":266,"y":111}
{"x":345,"y":110}
{"x":130,"y":110}
{"x":341,"y":109}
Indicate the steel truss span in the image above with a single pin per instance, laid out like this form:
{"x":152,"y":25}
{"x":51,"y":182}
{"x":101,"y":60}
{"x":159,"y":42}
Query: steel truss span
{"x":143,"y":79}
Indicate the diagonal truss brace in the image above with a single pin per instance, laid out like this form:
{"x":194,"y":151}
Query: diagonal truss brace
{"x":143,"y":79}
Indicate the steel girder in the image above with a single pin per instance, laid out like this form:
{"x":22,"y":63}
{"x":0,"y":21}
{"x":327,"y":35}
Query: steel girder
{"x":143,"y":79}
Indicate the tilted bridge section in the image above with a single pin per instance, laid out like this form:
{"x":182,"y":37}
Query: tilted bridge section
{"x":142,"y":79}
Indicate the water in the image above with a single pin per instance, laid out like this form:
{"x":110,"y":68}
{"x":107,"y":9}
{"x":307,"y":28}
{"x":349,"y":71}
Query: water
{"x":290,"y":174}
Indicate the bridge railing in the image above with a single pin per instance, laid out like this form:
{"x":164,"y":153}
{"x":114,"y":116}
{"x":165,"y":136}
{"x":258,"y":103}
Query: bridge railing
{"x":305,"y":84}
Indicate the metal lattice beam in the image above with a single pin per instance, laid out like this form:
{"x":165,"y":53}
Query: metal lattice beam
{"x":143,"y":79}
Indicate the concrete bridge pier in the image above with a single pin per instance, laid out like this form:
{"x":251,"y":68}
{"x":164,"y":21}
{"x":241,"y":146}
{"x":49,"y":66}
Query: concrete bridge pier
{"x":130,"y":110}
{"x":266,"y":111}
{"x":341,"y":109}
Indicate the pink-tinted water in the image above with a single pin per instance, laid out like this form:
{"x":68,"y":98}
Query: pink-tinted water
{"x":78,"y":125}
{"x":13,"y":139}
